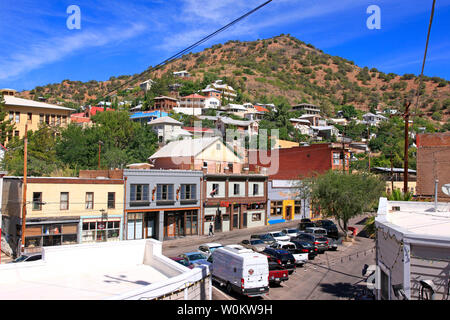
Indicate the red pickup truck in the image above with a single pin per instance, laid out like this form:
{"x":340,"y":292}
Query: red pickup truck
{"x":277,"y":274}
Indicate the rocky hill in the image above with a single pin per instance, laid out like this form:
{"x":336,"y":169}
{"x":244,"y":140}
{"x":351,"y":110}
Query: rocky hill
{"x":282,"y":68}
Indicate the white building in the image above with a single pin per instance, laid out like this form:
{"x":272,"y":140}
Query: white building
{"x":123,"y":270}
{"x":182,"y":74}
{"x":168,"y":129}
{"x":413,"y":249}
{"x":146,"y":85}
{"x":227,"y":91}
{"x":373,"y":119}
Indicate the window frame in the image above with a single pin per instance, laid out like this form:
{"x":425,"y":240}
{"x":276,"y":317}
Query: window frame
{"x":61,"y":202}
{"x":87,"y":202}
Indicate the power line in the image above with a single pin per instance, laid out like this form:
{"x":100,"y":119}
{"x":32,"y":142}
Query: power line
{"x":424,"y":58}
{"x":180,"y":53}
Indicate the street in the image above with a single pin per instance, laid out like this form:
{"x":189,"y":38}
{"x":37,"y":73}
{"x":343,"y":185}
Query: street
{"x":333,"y":275}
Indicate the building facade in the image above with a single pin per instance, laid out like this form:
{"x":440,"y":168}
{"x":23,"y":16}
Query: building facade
{"x":32,"y":113}
{"x":162,"y":204}
{"x":62,"y":210}
{"x":234,"y":201}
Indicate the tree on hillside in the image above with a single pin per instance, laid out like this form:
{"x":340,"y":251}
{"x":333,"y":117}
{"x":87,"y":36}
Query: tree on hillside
{"x":6,"y":125}
{"x":344,"y":196}
{"x":42,"y":159}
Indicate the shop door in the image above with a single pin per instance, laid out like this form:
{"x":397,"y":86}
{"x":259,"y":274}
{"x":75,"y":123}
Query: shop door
{"x":171,"y":226}
{"x":288,"y":213}
{"x":244,"y":222}
{"x":150,"y":227}
{"x":217,"y":222}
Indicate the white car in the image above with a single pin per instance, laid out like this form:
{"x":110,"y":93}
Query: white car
{"x":291,"y":232}
{"x":317,"y":231}
{"x":299,"y":256}
{"x":208,"y":248}
{"x":279,"y":236}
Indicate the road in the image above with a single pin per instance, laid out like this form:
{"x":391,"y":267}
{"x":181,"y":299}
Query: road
{"x":333,"y":275}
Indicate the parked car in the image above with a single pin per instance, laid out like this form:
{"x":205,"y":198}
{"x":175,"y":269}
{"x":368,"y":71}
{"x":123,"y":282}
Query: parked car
{"x":291,"y":232}
{"x":279,"y":236}
{"x":305,"y":220}
{"x":303,"y":225}
{"x":332,"y":244}
{"x":319,"y":242}
{"x":277,"y":274}
{"x":307,"y":247}
{"x":241,"y":270}
{"x":256,"y":245}
{"x":332,"y":230}
{"x":265,"y":237}
{"x":317,"y":231}
{"x":28,"y":257}
{"x":194,"y":257}
{"x":208,"y":248}
{"x":183,"y":262}
{"x":282,"y":257}
{"x":299,"y":256}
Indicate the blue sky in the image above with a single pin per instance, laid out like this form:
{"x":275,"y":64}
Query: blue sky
{"x":126,"y":37}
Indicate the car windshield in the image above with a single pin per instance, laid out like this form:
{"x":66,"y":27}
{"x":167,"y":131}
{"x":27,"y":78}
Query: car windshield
{"x":327,"y":223}
{"x":267,"y":236}
{"x":21,"y":258}
{"x":196,"y":256}
{"x":318,"y":231}
{"x":214,"y":248}
{"x":289,"y":247}
{"x":253,"y":242}
{"x":277,"y":234}
{"x":291,"y":230}
{"x":184,"y":262}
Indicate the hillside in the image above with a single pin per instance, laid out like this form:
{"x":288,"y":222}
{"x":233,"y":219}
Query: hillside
{"x":282,"y":68}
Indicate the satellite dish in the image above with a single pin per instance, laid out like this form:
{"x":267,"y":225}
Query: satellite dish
{"x":446,"y":189}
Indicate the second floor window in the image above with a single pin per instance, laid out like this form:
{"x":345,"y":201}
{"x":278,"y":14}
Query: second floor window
{"x":255,"y":189}
{"x":37,"y":200}
{"x":215,"y":189}
{"x":111,"y":200}
{"x":188,"y":192}
{"x":139,"y":192}
{"x":64,"y":201}
{"x":236,"y":189}
{"x":89,"y":200}
{"x":164,"y":192}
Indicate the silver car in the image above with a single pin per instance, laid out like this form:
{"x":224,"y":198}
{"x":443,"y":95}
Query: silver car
{"x":256,"y":245}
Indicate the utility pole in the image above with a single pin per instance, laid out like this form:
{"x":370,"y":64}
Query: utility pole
{"x":100,"y":143}
{"x":405,"y":166}
{"x":368,"y":139}
{"x":24,"y":189}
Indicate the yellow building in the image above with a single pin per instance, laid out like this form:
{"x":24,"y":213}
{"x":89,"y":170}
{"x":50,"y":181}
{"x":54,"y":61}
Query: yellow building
{"x":64,"y":210}
{"x":25,"y":111}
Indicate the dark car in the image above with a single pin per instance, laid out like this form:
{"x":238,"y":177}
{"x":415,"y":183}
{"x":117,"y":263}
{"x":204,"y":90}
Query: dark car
{"x":28,"y":258}
{"x":303,"y":225}
{"x":319,"y":242}
{"x":282,"y":257}
{"x":305,"y":220}
{"x":183,"y":262}
{"x":306,"y":246}
{"x":332,"y":230}
{"x":265,"y":237}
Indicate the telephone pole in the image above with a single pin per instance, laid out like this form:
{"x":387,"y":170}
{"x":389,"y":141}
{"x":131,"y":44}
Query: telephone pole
{"x":405,"y":165}
{"x":24,"y":189}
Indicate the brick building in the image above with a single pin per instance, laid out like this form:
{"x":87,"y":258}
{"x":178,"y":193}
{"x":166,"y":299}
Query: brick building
{"x":286,"y":169}
{"x":433,"y":163}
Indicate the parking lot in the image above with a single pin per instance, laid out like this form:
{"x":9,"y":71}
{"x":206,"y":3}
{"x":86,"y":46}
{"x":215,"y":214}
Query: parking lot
{"x":332,"y":275}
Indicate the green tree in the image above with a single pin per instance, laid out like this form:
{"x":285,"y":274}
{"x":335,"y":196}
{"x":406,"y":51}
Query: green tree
{"x":344,"y":196}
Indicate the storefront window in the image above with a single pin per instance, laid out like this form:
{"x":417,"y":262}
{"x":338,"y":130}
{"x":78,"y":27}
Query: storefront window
{"x":101,"y":231}
{"x":276,"y":208}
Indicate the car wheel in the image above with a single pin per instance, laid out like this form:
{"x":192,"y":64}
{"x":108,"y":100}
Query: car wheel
{"x":229,"y":288}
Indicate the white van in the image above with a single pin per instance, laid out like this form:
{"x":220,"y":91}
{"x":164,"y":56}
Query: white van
{"x":241,"y":270}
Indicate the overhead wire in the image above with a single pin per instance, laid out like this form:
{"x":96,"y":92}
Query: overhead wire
{"x":196,"y":44}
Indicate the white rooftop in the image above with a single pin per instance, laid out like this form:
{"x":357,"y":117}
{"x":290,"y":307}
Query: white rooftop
{"x":415,"y":220}
{"x":184,"y":148}
{"x":89,"y":271}
{"x":14,"y":101}
{"x":163,"y":120}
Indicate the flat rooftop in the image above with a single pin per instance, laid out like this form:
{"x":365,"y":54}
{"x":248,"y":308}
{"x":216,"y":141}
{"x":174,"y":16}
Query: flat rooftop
{"x":96,"y":284}
{"x":89,"y":272}
{"x":416,"y":219}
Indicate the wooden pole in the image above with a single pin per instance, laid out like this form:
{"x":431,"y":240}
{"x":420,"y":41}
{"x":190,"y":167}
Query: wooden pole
{"x":24,"y":189}
{"x":405,"y":165}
